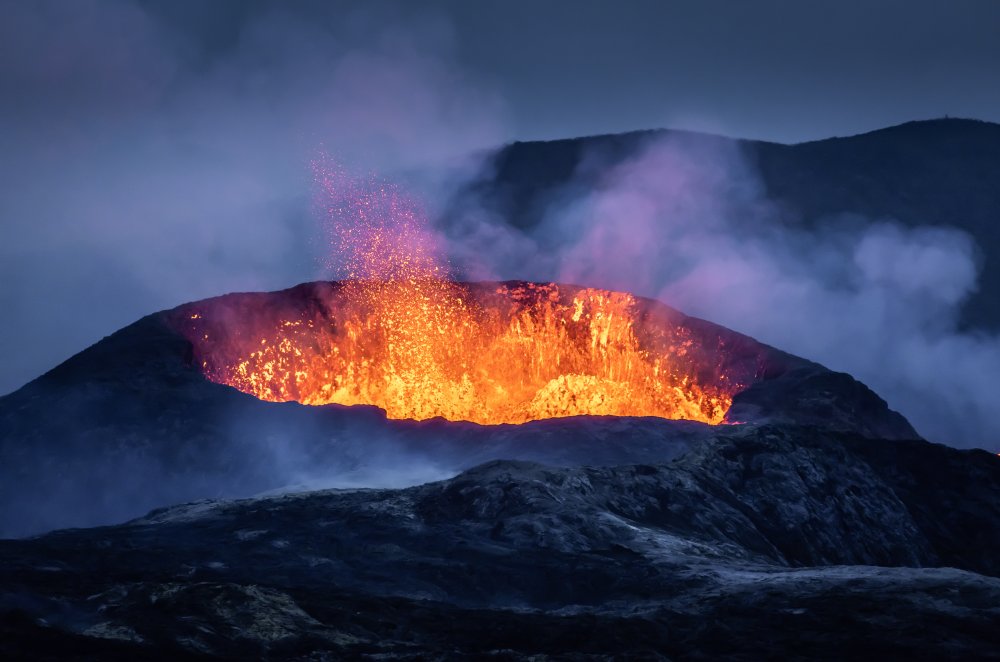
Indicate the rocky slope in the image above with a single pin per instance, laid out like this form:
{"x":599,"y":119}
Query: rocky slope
{"x":762,"y":541}
{"x":131,"y":424}
{"x":816,"y":525}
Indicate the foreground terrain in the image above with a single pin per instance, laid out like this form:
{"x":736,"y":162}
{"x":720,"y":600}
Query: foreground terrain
{"x":759,"y":541}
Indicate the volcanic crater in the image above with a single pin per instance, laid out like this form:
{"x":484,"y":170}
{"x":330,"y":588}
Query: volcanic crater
{"x":333,"y":381}
{"x":483,"y":352}
{"x":510,"y":352}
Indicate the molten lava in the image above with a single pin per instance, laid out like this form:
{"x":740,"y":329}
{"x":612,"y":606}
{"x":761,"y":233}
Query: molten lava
{"x":400,"y":335}
{"x":508,"y":354}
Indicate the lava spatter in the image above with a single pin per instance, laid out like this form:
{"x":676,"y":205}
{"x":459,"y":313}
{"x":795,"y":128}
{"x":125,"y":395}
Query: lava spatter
{"x":399,"y":334}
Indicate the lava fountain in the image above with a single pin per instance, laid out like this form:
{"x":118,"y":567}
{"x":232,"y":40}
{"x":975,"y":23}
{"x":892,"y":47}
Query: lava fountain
{"x":482,"y":352}
{"x":399,"y":334}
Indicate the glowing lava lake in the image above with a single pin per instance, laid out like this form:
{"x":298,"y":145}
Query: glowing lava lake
{"x":489,"y":353}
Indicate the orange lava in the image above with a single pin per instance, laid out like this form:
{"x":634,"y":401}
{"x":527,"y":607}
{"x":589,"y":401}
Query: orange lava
{"x":398,"y":334}
{"x":430,"y":348}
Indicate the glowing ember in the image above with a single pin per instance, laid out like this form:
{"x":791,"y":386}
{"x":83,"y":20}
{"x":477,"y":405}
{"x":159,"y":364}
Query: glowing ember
{"x":398,"y":334}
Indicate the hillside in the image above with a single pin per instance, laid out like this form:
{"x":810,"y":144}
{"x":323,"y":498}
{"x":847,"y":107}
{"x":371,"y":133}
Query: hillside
{"x":762,"y":541}
{"x":935,"y":172}
{"x":132,"y":423}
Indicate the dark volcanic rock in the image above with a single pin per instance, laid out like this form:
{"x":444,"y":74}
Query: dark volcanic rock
{"x":131,"y":423}
{"x":761,"y":542}
{"x":812,"y":529}
{"x":832,"y":400}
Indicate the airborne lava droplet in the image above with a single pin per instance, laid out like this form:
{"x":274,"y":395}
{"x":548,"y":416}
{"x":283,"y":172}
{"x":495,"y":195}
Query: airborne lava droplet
{"x":399,"y":334}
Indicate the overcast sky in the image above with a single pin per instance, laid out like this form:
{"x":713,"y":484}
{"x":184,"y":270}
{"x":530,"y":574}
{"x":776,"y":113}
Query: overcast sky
{"x":154,"y":152}
{"x":783,"y":70}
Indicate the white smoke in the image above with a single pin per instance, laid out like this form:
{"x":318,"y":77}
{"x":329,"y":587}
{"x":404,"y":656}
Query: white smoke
{"x":688,"y":222}
{"x":143,"y":169}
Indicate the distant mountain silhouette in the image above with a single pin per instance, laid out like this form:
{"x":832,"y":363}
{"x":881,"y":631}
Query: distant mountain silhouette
{"x":934,"y":172}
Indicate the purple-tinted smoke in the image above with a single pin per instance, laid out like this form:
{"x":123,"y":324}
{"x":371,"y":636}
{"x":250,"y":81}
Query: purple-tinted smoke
{"x":688,"y":222}
{"x":142,"y":170}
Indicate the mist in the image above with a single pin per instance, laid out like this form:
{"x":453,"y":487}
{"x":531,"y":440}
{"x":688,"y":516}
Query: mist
{"x":143,"y":168}
{"x":687,"y":221}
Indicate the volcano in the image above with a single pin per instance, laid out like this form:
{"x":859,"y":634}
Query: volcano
{"x":209,"y":396}
{"x":615,"y":474}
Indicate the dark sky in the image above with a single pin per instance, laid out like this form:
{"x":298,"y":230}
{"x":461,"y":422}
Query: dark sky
{"x":784,"y":70}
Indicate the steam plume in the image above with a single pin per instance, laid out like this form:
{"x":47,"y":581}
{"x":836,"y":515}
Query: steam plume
{"x":688,"y":222}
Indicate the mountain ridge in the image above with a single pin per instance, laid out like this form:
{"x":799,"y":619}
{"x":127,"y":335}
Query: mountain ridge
{"x":891,"y":128}
{"x":925,"y":172}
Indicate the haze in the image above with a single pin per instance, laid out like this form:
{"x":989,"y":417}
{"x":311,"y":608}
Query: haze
{"x":154,"y":153}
